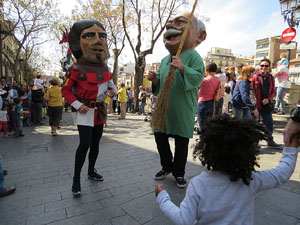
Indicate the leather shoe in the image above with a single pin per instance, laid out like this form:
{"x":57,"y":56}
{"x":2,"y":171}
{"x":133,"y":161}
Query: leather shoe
{"x":7,"y":191}
{"x":272,"y":144}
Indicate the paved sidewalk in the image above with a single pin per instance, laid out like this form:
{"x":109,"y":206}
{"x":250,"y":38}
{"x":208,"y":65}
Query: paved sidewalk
{"x":41,"y":167}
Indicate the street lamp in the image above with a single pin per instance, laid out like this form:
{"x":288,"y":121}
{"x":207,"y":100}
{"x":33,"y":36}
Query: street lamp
{"x":290,"y":9}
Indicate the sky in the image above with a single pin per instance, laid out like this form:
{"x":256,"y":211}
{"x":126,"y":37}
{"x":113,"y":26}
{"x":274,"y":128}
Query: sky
{"x":233,"y":24}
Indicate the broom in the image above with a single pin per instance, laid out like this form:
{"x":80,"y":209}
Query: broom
{"x":158,"y":119}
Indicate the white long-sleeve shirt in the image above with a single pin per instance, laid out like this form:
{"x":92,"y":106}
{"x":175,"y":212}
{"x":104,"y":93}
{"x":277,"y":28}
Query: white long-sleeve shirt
{"x":211,"y":198}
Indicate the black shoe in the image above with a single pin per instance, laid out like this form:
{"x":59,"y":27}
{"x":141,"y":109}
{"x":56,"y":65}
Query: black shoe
{"x":76,"y":189}
{"x":161,"y":175}
{"x":274,"y":145}
{"x":21,"y":135}
{"x":5,"y":172}
{"x":95,"y":176}
{"x":7,"y":191}
{"x":180,"y":182}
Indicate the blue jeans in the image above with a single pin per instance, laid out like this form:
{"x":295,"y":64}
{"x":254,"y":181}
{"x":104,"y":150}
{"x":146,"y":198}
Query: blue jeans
{"x":279,"y":98}
{"x":219,"y":106}
{"x":1,"y":176}
{"x":241,"y":113}
{"x":205,"y":111}
{"x":129,"y":107}
{"x":142,"y":108}
{"x":19,"y":128}
{"x":268,"y":122}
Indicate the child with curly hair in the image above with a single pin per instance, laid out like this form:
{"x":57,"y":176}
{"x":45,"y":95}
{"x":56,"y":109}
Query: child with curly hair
{"x":224,"y":193}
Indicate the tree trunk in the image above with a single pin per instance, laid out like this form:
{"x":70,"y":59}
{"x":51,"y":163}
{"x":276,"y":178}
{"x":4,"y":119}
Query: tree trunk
{"x":116,"y":64}
{"x":138,"y":81}
{"x":16,"y":71}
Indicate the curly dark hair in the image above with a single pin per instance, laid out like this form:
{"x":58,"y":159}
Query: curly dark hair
{"x":230,"y":146}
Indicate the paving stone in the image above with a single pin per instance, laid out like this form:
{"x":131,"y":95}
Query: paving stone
{"x":283,"y":201}
{"x":81,"y":209}
{"x":12,"y":221}
{"x":161,"y":219}
{"x":140,"y":211}
{"x":124,"y":220}
{"x":27,"y":212}
{"x":46,"y":218}
{"x":264,"y":215}
{"x":116,"y":200}
{"x":104,"y":186}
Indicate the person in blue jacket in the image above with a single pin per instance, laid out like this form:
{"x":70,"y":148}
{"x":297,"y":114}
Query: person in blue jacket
{"x":243,"y":101}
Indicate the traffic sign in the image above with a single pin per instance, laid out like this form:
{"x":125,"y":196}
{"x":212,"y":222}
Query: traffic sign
{"x":288,"y":34}
{"x":292,"y":45}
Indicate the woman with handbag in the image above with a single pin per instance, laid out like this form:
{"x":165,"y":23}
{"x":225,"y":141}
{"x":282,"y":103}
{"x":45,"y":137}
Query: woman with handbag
{"x":241,"y":100}
{"x":206,"y":95}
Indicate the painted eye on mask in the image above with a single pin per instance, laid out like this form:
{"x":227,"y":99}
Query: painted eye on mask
{"x":88,"y":36}
{"x":102,"y":37}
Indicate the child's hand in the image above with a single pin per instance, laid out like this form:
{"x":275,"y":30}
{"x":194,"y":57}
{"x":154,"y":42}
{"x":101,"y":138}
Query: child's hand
{"x":295,"y":141}
{"x":158,"y":189}
{"x":291,"y":129}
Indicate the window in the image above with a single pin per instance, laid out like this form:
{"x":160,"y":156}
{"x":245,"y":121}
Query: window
{"x":261,"y":54}
{"x":265,"y":45}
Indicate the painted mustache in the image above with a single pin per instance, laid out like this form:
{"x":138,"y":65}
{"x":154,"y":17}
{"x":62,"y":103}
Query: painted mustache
{"x":172,"y":32}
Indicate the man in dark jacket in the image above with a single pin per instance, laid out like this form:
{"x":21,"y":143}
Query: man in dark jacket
{"x":264,"y":87}
{"x":37,"y":96}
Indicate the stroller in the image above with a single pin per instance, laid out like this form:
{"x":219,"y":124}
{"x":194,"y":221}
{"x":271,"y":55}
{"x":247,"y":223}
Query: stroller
{"x":26,"y":116}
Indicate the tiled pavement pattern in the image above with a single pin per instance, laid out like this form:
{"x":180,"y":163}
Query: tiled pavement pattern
{"x":41,"y":167}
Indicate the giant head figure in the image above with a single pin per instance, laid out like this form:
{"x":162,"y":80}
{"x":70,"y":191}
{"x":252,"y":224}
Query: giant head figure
{"x":175,"y":28}
{"x":88,"y":42}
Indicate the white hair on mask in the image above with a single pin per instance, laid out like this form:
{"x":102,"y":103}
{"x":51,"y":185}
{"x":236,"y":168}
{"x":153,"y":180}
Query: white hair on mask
{"x":200,"y":25}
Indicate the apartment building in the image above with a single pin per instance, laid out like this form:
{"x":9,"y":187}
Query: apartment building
{"x":9,"y":48}
{"x":223,"y":57}
{"x":270,"y":48}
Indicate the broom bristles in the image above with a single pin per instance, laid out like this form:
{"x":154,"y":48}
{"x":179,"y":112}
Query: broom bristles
{"x":158,"y":119}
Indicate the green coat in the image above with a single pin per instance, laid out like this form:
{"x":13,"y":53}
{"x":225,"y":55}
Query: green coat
{"x":180,"y":118}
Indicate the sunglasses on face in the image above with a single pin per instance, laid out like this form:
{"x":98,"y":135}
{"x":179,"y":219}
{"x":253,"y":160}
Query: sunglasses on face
{"x":264,"y":65}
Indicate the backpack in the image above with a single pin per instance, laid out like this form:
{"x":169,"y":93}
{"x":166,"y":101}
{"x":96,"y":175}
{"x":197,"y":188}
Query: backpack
{"x":219,"y":91}
{"x":252,"y":96}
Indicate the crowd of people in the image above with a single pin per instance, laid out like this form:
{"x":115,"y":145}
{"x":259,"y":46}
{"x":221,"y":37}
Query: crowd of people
{"x":27,"y":105}
{"x":248,"y":93}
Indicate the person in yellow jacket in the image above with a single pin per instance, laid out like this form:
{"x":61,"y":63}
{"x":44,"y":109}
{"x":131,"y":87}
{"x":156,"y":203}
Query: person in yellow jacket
{"x":55,"y":106}
{"x":122,"y":98}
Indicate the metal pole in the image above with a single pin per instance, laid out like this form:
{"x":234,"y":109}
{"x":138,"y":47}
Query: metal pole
{"x":289,"y":56}
{"x":1,"y":51}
